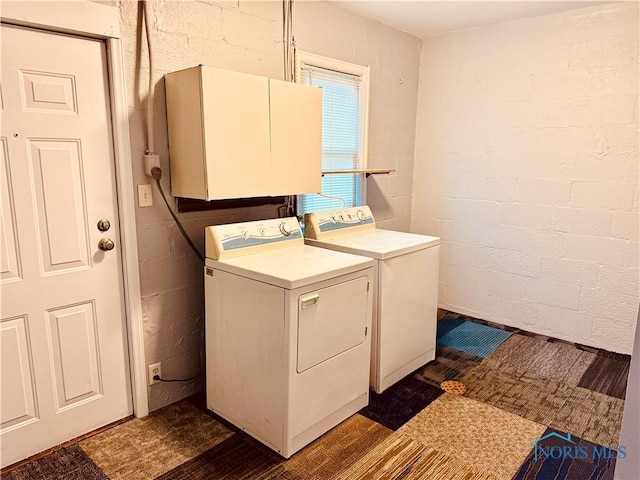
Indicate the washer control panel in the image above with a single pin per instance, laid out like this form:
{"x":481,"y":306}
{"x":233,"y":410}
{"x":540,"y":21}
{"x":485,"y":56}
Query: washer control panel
{"x":236,"y":239}
{"x":334,"y":222}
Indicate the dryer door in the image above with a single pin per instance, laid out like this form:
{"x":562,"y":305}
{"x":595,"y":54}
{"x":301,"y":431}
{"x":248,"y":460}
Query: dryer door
{"x":331,"y":321}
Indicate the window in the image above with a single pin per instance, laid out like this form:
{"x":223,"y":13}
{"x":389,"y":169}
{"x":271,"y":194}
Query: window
{"x":344,"y":129}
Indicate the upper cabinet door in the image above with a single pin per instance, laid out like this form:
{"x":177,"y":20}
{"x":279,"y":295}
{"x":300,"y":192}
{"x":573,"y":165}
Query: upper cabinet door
{"x":236,"y":133}
{"x":296,"y":137}
{"x":218,"y":133}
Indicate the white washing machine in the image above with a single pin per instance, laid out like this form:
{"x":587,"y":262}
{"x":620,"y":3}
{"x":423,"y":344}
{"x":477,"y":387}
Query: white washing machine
{"x":405,"y":290}
{"x":287,"y":332}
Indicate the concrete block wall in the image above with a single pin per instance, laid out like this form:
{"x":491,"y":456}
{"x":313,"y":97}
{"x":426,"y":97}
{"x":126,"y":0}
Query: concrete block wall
{"x":526,"y":166}
{"x":247,"y":36}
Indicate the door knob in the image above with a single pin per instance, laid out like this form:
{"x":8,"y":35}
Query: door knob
{"x":106,"y":244}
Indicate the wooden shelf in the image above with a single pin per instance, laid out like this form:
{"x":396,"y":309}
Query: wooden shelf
{"x":365,"y":171}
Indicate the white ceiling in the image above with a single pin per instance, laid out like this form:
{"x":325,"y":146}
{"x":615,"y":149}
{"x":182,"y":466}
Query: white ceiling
{"x":425,"y":18}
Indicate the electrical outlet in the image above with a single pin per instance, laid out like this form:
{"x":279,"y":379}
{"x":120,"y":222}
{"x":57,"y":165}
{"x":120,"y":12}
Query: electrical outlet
{"x":155,"y":369}
{"x":145,"y":196}
{"x":150,"y":161}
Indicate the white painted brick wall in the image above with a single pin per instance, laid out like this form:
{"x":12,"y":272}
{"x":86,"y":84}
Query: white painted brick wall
{"x":603,"y":195}
{"x":624,"y":225}
{"x":246,"y":36}
{"x":582,"y":221}
{"x":527,"y":166}
{"x":542,"y":191}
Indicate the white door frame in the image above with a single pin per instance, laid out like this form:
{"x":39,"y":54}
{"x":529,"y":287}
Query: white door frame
{"x":94,"y":20}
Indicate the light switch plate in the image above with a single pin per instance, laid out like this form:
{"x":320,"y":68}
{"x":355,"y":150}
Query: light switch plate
{"x":145,"y":196}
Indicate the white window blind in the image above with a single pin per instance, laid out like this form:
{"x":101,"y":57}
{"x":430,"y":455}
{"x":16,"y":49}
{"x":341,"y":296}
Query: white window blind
{"x":341,"y":137}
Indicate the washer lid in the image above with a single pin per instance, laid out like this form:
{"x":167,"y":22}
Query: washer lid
{"x":294,"y":266}
{"x":377,"y":243}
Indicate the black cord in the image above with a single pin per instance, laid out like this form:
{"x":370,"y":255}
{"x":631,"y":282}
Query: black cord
{"x":157,"y":175}
{"x":157,"y":377}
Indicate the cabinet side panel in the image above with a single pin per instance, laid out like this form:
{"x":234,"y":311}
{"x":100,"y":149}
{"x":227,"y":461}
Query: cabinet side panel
{"x":408,"y":291}
{"x":296,"y":137}
{"x":184,"y":119}
{"x":236,"y":129}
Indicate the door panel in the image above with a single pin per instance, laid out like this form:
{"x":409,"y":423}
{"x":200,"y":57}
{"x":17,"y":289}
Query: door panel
{"x":73,"y":347}
{"x":61,"y":211}
{"x":18,"y":399}
{"x":45,"y":91}
{"x":64,"y":350}
{"x":9,"y":258}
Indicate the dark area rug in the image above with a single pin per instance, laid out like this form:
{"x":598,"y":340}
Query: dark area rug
{"x":607,"y":374}
{"x":64,"y":464}
{"x":238,"y":457}
{"x":401,"y":402}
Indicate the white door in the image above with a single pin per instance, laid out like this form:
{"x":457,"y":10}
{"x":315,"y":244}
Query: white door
{"x":64,"y":355}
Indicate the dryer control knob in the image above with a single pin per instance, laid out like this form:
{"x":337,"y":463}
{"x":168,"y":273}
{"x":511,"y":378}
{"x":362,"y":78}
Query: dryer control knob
{"x":361,"y":215}
{"x":245,"y":234}
{"x":284,"y":228}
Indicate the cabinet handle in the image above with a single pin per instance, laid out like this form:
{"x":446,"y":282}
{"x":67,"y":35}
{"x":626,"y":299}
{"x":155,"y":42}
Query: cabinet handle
{"x":309,"y":301}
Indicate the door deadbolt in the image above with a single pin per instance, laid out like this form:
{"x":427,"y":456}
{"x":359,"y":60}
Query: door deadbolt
{"x":104,"y":225}
{"x":106,"y":244}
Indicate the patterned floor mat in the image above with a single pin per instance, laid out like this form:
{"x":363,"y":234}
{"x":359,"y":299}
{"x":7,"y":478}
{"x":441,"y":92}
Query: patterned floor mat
{"x":520,"y":387}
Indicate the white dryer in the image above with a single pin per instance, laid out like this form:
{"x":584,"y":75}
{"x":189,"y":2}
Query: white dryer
{"x":405,"y":290}
{"x":287,"y":332}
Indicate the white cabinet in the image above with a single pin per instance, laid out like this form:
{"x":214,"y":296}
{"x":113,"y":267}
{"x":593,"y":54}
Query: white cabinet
{"x":236,"y":135}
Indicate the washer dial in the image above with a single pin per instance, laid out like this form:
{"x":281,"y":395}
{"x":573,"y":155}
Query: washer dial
{"x":284,"y":229}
